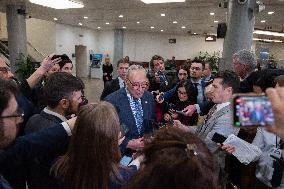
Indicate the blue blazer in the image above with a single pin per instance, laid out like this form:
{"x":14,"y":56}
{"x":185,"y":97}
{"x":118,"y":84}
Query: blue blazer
{"x":120,"y":101}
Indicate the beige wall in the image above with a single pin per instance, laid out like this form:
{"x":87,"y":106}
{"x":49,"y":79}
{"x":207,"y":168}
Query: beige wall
{"x":3,"y":26}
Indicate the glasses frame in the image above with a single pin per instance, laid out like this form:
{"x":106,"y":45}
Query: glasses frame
{"x":20,"y":113}
{"x":139,"y":85}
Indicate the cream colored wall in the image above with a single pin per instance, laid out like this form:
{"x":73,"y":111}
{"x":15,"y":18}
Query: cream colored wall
{"x":3,"y":26}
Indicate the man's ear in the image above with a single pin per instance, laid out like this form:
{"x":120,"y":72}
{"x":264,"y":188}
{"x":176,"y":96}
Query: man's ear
{"x":64,"y":103}
{"x":230,"y":90}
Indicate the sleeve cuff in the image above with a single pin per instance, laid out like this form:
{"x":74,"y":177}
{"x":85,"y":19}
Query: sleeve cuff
{"x":66,"y":128}
{"x":197,"y":107}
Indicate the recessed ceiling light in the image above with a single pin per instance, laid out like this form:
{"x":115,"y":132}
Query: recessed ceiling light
{"x":123,"y":27}
{"x":162,"y":1}
{"x":80,"y":24}
{"x":212,"y":13}
{"x":262,"y":21}
{"x":107,"y":23}
{"x":138,"y":22}
{"x":163,"y":14}
{"x":263,"y":32}
{"x":99,"y":27}
{"x":183,"y":27}
{"x":152,"y":27}
{"x":62,"y":4}
{"x":162,"y":30}
{"x":120,"y":16}
{"x":55,"y":19}
{"x":85,"y":17}
{"x":270,"y":12}
{"x":195,"y":33}
{"x":175,"y":22}
{"x":216,"y":21}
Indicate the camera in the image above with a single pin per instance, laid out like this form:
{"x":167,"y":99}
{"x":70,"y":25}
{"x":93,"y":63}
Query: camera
{"x":252,"y":111}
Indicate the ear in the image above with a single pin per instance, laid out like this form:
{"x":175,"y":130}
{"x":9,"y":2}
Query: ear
{"x":64,"y":103}
{"x":230,"y":90}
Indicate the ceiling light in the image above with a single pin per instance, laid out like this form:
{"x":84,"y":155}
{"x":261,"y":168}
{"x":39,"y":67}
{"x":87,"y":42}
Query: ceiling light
{"x":123,"y":27}
{"x":216,"y":21}
{"x":162,"y":1}
{"x":163,"y":14}
{"x":175,"y":22}
{"x":194,"y":33}
{"x":138,"y":22}
{"x":270,"y":12}
{"x":80,"y":24}
{"x":85,"y":17}
{"x":262,"y":32}
{"x":62,"y":4}
{"x":120,"y":16}
{"x":99,"y":27}
{"x":162,"y":30}
{"x":55,"y":19}
{"x":152,"y":27}
{"x":262,"y":21}
{"x":212,"y":13}
{"x":107,"y":23}
{"x":183,"y":27}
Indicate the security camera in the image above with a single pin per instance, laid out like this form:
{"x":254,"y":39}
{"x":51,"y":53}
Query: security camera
{"x":242,"y":1}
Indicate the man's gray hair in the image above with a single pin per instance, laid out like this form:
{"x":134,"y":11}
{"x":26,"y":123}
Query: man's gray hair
{"x":134,"y":67}
{"x":246,"y":57}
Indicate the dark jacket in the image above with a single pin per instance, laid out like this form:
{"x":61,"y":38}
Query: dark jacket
{"x":169,"y":83}
{"x":110,"y":87}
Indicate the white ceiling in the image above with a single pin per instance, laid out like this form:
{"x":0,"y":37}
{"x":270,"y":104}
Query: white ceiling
{"x":193,"y":14}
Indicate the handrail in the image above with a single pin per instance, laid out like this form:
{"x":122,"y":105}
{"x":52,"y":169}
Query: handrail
{"x":35,"y":49}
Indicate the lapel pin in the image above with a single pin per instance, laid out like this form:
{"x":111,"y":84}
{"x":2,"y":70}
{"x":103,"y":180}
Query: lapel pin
{"x":146,"y":102}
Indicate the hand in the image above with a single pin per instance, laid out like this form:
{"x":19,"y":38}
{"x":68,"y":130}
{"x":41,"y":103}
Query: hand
{"x":276,"y":97}
{"x":47,"y":63}
{"x":167,"y":117}
{"x":120,"y":138}
{"x":189,"y":110}
{"x":136,"y":144}
{"x":71,"y":122}
{"x":178,"y":124}
{"x":157,"y":78}
{"x":159,"y":99}
{"x":227,"y":148}
{"x":173,"y":114}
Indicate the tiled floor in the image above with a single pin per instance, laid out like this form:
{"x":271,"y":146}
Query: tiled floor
{"x":93,"y":89}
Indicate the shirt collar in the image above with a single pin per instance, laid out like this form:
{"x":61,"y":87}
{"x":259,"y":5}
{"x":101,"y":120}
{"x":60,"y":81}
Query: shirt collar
{"x":130,"y":96}
{"x":222,"y":105}
{"x":121,"y":82}
{"x":199,"y":81}
{"x":54,"y":114}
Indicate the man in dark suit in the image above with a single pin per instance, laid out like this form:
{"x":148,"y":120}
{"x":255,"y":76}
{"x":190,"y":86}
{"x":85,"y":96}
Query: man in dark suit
{"x":118,"y":83}
{"x":135,"y":107}
{"x":26,"y":147}
{"x":207,"y":72}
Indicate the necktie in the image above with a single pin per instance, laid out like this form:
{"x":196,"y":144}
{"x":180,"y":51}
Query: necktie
{"x":278,"y":170}
{"x":199,"y":93}
{"x":138,"y":114}
{"x":210,"y":113}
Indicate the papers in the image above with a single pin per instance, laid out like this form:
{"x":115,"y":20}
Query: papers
{"x":244,"y":151}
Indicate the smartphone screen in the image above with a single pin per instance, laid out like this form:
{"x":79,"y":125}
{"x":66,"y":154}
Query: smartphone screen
{"x":252,"y":111}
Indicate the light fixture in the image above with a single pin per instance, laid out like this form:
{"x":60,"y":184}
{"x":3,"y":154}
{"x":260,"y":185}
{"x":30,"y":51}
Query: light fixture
{"x":216,"y":21}
{"x":120,"y":16}
{"x":152,"y":27}
{"x":99,"y":27}
{"x":62,"y":4}
{"x":270,"y":12}
{"x":138,"y":22}
{"x":55,"y":19}
{"x":212,"y":13}
{"x":107,"y":23}
{"x":163,"y":14}
{"x":262,"y":21}
{"x":80,"y":24}
{"x":175,"y":22}
{"x":162,"y":1}
{"x":263,"y":32}
{"x":162,"y":30}
{"x":194,"y":33}
{"x":183,"y":27}
{"x":85,"y":17}
{"x":123,"y":27}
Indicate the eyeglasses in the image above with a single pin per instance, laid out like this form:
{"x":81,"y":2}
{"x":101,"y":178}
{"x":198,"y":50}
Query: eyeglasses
{"x":19,"y":114}
{"x":195,"y":68}
{"x":5,"y":69}
{"x":185,"y":74}
{"x":137,"y":85}
{"x":182,"y":93}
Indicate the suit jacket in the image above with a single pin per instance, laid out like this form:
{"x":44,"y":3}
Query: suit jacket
{"x":120,"y":101}
{"x":220,"y":122}
{"x":110,"y":87}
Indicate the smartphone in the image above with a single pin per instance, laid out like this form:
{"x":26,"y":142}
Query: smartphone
{"x":218,"y":138}
{"x":123,"y":129}
{"x":252,"y":111}
{"x":180,"y":112}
